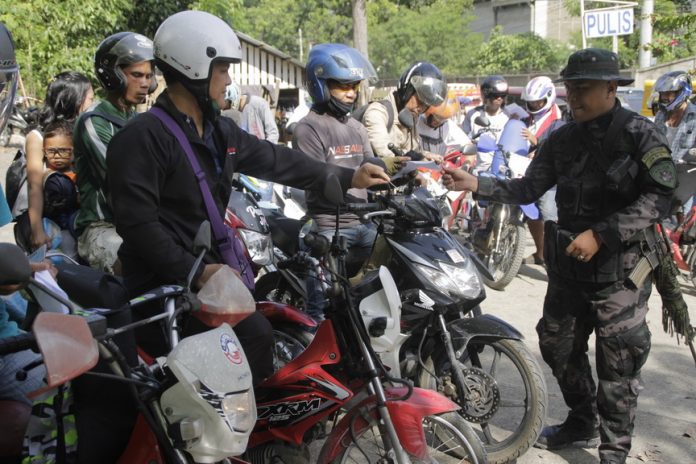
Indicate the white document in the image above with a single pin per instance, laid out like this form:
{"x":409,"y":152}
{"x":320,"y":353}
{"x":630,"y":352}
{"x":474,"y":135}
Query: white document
{"x":47,"y":302}
{"x":515,"y":111}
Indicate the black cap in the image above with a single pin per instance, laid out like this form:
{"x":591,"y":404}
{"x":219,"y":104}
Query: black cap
{"x":594,"y":64}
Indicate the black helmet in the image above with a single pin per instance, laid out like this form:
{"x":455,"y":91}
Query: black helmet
{"x":8,"y":75}
{"x":494,"y":85}
{"x":117,"y":51}
{"x":425,"y":80}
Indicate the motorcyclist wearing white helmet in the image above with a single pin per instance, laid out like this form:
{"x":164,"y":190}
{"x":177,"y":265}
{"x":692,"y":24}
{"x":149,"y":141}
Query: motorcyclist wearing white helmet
{"x":676,"y":116}
{"x":231,"y":101}
{"x":676,"y":119}
{"x":157,"y":199}
{"x":540,"y":97}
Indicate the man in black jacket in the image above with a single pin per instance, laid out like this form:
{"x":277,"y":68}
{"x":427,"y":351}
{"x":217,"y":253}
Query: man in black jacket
{"x":157,"y":202}
{"x":615,"y":180}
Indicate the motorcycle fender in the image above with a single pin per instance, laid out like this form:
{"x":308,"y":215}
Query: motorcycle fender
{"x":407,"y":416}
{"x":484,"y":326}
{"x":279,"y":312}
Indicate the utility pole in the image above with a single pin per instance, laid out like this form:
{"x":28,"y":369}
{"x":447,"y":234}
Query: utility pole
{"x":299,"y":34}
{"x":360,"y":40}
{"x":645,"y":56}
{"x":582,"y":22}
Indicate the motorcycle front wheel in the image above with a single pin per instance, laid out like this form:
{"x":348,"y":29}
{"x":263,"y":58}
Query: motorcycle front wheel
{"x":508,"y":397}
{"x":449,"y":438}
{"x":505,"y":263}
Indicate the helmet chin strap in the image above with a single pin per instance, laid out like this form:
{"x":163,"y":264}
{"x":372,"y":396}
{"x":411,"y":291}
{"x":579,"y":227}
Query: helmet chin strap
{"x":200,"y":92}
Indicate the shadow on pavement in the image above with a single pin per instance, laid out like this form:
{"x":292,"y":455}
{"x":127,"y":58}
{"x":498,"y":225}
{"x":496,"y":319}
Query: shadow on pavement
{"x":533,"y":272}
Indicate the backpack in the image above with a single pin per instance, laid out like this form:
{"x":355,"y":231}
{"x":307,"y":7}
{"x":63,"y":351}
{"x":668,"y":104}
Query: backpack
{"x":16,"y":189}
{"x":359,"y":113}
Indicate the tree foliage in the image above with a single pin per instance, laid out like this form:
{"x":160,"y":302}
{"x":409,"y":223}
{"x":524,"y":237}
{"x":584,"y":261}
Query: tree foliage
{"x":436,"y":31}
{"x":51,"y":36}
{"x":520,"y":53}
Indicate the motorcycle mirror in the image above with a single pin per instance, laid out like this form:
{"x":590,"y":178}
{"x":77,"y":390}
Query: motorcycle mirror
{"x":332,"y":190}
{"x":14,"y":265}
{"x":482,"y":120}
{"x":469,"y":149}
{"x":67,"y":347}
{"x":202,"y":242}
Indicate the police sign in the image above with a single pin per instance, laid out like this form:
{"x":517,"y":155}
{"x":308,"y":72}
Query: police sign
{"x":606,"y":23}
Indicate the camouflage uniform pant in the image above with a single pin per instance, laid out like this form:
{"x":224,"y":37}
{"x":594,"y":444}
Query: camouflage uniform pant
{"x":572,"y":311}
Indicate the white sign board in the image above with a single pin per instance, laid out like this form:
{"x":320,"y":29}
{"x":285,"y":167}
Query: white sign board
{"x":606,"y":23}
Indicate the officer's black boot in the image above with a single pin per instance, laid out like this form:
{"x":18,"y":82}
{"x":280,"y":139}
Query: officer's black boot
{"x":571,"y":433}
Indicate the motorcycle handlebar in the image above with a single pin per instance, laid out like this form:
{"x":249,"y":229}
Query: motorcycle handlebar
{"x":25,"y":341}
{"x":360,"y":207}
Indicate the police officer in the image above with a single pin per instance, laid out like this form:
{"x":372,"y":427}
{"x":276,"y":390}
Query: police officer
{"x":615,"y":179}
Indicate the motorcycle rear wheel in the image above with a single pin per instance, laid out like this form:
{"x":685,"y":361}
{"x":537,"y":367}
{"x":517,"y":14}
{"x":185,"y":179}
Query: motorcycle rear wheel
{"x":505,"y":265}
{"x":520,"y":387}
{"x":450,"y":440}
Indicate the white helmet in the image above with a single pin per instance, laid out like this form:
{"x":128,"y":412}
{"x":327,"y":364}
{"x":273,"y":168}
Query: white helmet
{"x":540,"y":88}
{"x":188,"y":43}
{"x":232,"y":94}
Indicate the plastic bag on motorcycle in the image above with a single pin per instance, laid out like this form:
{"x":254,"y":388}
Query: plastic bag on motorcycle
{"x":225,"y":298}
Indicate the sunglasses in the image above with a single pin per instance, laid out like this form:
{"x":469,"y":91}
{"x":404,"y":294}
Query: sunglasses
{"x":495,"y":96}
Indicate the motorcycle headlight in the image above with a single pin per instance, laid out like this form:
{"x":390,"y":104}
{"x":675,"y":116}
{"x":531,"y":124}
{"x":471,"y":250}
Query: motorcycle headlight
{"x":454,"y":281}
{"x":239,"y":410}
{"x":465,"y":278}
{"x":258,"y":245}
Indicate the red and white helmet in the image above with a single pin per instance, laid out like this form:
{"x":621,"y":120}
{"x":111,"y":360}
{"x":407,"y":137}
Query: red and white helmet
{"x":540,"y":88}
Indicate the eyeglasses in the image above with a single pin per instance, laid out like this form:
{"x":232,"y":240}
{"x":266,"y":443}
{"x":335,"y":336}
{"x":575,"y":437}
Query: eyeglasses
{"x":63,"y":152}
{"x":495,"y":96}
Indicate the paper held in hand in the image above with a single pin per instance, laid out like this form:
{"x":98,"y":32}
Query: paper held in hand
{"x":515,"y":111}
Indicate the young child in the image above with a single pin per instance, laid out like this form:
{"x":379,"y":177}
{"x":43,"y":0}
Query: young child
{"x":60,"y":192}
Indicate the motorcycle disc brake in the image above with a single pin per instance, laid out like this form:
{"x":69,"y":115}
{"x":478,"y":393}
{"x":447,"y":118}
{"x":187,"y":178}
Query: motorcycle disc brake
{"x":483,"y":400}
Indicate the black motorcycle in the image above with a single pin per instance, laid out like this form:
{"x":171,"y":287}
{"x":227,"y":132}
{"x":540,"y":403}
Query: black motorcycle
{"x":443,"y":341}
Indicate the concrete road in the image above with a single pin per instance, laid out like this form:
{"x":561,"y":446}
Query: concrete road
{"x":665,"y":430}
{"x":666,"y":420}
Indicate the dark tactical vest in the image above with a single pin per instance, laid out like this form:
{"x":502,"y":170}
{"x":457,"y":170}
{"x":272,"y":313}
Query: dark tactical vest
{"x":593,"y":183}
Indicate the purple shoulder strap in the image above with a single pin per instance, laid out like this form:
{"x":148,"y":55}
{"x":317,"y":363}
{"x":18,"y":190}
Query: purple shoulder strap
{"x":225,"y":236}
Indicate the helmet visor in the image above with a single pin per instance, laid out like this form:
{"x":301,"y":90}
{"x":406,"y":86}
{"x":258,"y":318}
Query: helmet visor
{"x":8,"y":87}
{"x":134,"y":48}
{"x":430,"y":91}
{"x":350,"y":66}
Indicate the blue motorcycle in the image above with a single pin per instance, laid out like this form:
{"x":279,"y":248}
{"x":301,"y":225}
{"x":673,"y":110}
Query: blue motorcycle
{"x":498,"y":232}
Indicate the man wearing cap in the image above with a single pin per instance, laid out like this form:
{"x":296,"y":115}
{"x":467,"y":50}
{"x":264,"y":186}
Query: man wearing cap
{"x":615,"y":179}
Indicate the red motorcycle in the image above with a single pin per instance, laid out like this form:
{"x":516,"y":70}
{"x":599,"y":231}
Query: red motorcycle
{"x":340,"y":378}
{"x":682,"y":243}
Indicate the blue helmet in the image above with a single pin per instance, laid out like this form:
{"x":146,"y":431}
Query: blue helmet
{"x":336,"y":62}
{"x":674,"y":81}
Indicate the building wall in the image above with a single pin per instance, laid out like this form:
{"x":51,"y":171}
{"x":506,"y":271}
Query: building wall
{"x":547,"y":18}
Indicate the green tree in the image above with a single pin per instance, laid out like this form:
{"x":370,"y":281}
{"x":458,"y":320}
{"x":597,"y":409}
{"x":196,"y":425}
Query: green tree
{"x":519,"y":53}
{"x":52,"y":36}
{"x":437,"y":31}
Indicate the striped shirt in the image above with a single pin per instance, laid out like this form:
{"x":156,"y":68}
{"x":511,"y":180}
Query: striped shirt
{"x":91,"y":137}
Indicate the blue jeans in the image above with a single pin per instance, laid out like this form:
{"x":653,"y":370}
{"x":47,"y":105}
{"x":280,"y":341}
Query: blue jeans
{"x":360,"y":236}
